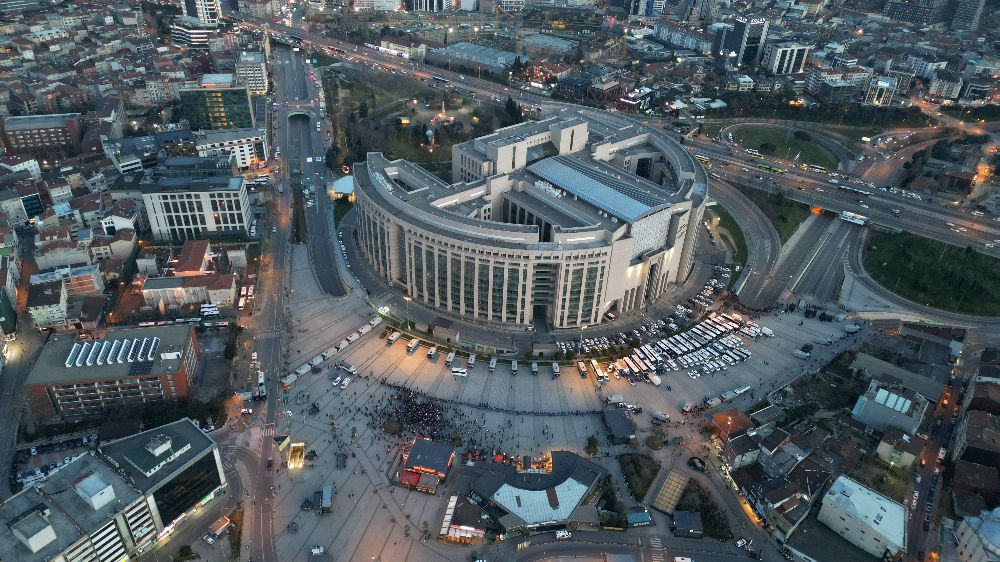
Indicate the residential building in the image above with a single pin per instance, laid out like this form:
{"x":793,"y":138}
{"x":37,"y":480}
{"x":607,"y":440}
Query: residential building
{"x":968,"y":14}
{"x":251,"y":69}
{"x":977,"y":439}
{"x":899,"y":449}
{"x":867,"y":519}
{"x":47,"y":304}
{"x":881,"y":91}
{"x":698,"y":11}
{"x":786,"y":57}
{"x":979,"y":537}
{"x":248,"y":146}
{"x":883,"y":406}
{"x":189,"y":33}
{"x":14,"y":163}
{"x":217,"y":102}
{"x":945,"y":85}
{"x":407,"y":47}
{"x":188,"y":208}
{"x":48,"y":138}
{"x":124,"y":367}
{"x":925,"y":67}
{"x":684,"y":36}
{"x":836,"y":91}
{"x":919,"y":12}
{"x":79,"y":281}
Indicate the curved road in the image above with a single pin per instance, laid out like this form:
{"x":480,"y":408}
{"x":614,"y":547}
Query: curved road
{"x":763,"y":245}
{"x":839,"y":150}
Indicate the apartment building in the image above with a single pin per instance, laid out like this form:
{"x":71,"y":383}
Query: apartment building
{"x":251,"y":69}
{"x":247,"y":145}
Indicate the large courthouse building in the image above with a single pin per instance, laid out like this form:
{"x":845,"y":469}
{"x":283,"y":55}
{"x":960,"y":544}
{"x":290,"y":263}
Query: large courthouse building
{"x":567,"y":218}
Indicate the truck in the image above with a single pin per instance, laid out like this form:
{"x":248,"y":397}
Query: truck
{"x":413,"y":345}
{"x":686,"y":409}
{"x":375,"y":321}
{"x":802,"y":354}
{"x":365,"y":329}
{"x":824,"y":341}
{"x":471,"y":362}
{"x":329,"y":353}
{"x":655,"y":379}
{"x":353,"y":337}
{"x":432,"y":352}
{"x":614,"y":399}
{"x":852,"y":328}
{"x":658,"y":415}
{"x":326,"y":501}
{"x":342,"y":344}
{"x":767,"y":331}
{"x":713,"y":401}
{"x":315,"y":361}
{"x":450,"y":359}
{"x":393,"y":337}
{"x":244,"y":395}
{"x":303,"y":369}
{"x":220,"y":526}
{"x":513,"y":367}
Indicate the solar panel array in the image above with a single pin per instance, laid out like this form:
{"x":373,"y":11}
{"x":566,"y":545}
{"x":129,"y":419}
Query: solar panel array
{"x":893,"y":401}
{"x":113,"y":351}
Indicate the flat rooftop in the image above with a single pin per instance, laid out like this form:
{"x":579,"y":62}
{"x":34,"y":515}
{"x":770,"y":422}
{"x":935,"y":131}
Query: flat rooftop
{"x":119,"y":354}
{"x":28,"y":122}
{"x":132,"y":453}
{"x":877,"y":511}
{"x":197,"y":184}
{"x":209,"y":136}
{"x":70,"y":516}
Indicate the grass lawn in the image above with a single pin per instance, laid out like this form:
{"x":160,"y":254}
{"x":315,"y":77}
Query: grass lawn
{"x":727,"y":222}
{"x":711,"y":130}
{"x":786,"y":215}
{"x":783,"y":144}
{"x":935,"y":274}
{"x":639,"y":471}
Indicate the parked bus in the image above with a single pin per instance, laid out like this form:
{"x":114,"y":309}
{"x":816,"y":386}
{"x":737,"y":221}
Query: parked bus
{"x":555,"y":369}
{"x":459,"y":372}
{"x":242,"y":303}
{"x":580,"y":366}
{"x":513,"y":367}
{"x":413,"y":345}
{"x":450,"y":359}
{"x":471,"y":362}
{"x":432,"y":352}
{"x":493,"y":364}
{"x":534,"y":367}
{"x":393,"y":337}
{"x":598,"y":372}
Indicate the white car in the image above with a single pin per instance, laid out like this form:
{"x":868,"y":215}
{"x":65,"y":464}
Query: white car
{"x":561,"y":535}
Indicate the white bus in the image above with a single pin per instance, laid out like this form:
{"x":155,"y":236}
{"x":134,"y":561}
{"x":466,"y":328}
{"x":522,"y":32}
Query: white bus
{"x":513,"y":367}
{"x":413,"y":345}
{"x":582,"y":367}
{"x":598,"y":372}
{"x":432,"y":352}
{"x":471,"y":362}
{"x":392,"y":338}
{"x":493,"y":364}
{"x":243,"y":301}
{"x":555,"y":369}
{"x":450,"y":359}
{"x":534,"y":367}
{"x":459,"y":372}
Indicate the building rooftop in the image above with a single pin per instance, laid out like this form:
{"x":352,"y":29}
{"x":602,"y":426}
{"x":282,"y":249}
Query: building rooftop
{"x":619,"y":423}
{"x":876,"y":510}
{"x":251,"y":57}
{"x":432,"y":455}
{"x":217,"y":81}
{"x":193,"y":254}
{"x":28,"y":122}
{"x":179,"y":185}
{"x":74,"y":500}
{"x":120,"y":353}
{"x":213,"y":136}
{"x":45,"y":294}
{"x":146,"y":459}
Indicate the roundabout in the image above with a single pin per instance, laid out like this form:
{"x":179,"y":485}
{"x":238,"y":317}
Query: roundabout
{"x":787,"y":142}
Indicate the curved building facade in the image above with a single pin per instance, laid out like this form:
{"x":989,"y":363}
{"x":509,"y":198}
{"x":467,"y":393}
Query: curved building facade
{"x":564,"y":219}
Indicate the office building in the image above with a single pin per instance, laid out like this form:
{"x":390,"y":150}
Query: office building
{"x":217,"y":102}
{"x":867,"y":519}
{"x":207,"y":12}
{"x":22,"y":5}
{"x":698,"y":11}
{"x":189,"y":33}
{"x":742,"y":42}
{"x":188,"y":208}
{"x":247,"y":145}
{"x":883,"y":406}
{"x":47,"y":138}
{"x":251,"y":69}
{"x":881,"y":91}
{"x":945,"y":84}
{"x":978,"y":537}
{"x":131,"y":366}
{"x":176,"y":467}
{"x":562,"y":219}
{"x":787,"y":57}
{"x":918,"y":12}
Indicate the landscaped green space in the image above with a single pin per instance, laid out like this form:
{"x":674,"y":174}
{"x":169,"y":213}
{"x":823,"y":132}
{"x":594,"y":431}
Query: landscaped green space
{"x":639,"y":471}
{"x":986,"y":113}
{"x":786,"y":145}
{"x":727,"y":222}
{"x":698,"y":499}
{"x":786,"y":214}
{"x":711,"y":130}
{"x":935,"y":274}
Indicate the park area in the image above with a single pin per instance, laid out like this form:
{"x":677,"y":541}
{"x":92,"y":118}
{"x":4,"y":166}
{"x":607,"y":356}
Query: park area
{"x":935,"y":274}
{"x":784,"y":213}
{"x":786,"y":144}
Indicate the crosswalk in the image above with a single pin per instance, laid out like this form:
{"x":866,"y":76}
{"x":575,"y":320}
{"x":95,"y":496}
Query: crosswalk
{"x":267,"y":335}
{"x":656,"y":544}
{"x":269,"y":430}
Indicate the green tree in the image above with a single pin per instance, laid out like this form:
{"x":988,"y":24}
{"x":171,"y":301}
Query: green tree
{"x":802,"y":136}
{"x":592,"y":445}
{"x":363,"y":110}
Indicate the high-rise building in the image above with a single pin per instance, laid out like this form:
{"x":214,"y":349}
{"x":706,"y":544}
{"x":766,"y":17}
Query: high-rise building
{"x":784,"y":58}
{"x":698,"y":11}
{"x":217,"y":102}
{"x":742,"y":43}
{"x":251,"y":70}
{"x":920,"y":12}
{"x":881,"y":90}
{"x":967,"y":15}
{"x":45,"y":137}
{"x":207,"y":12}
